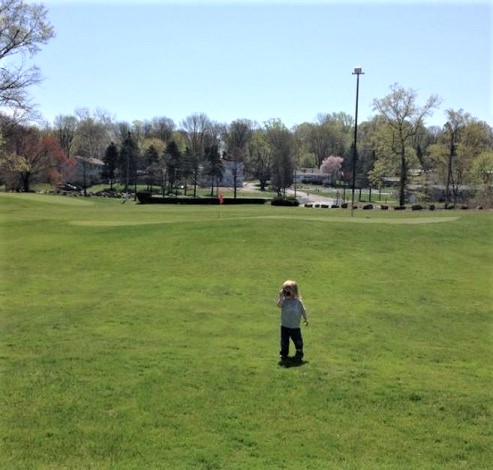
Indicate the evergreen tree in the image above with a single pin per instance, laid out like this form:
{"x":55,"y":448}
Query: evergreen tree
{"x":214,"y":165}
{"x":110,"y":163}
{"x":129,"y":153}
{"x":173,"y":162}
{"x":153,"y":168}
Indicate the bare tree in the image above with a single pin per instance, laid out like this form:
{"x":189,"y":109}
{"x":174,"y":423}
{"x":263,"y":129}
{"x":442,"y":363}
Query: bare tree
{"x":65,"y":128}
{"x":195,"y":128}
{"x":162,"y":128}
{"x":23,"y":28}
{"x":237,"y":137}
{"x":455,"y":124}
{"x":93,"y":133}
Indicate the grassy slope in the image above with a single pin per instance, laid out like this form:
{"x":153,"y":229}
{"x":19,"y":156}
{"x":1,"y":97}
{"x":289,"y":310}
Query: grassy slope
{"x":147,"y":336}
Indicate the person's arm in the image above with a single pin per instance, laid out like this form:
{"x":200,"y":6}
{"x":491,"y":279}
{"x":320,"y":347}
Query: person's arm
{"x":304,"y":314}
{"x":280,"y":299}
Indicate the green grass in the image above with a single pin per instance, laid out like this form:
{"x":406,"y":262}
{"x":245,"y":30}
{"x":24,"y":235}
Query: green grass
{"x":140,"y":336}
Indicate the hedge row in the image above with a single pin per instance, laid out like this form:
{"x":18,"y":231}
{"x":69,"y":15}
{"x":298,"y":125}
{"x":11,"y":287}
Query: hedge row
{"x":148,"y":198}
{"x":414,"y":207}
{"x":288,"y":201}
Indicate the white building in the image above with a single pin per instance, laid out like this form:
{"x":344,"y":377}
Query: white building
{"x":310,"y":176}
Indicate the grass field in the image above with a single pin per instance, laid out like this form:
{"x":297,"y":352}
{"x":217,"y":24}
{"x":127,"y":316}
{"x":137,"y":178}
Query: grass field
{"x":138,"y":336}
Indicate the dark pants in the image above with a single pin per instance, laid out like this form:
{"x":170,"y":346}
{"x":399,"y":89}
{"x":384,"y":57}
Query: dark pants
{"x":295,"y":335}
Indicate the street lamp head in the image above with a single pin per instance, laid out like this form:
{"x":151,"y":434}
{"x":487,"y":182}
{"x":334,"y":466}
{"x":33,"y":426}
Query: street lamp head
{"x":358,"y":71}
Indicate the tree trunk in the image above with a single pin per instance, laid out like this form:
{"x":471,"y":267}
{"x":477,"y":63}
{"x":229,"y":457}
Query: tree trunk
{"x":235,"y":178}
{"x":449,"y":177}
{"x":26,"y":181}
{"x":403,"y":180}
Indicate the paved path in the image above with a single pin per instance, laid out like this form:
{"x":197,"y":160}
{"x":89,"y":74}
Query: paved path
{"x":305,"y":198}
{"x":302,"y":196}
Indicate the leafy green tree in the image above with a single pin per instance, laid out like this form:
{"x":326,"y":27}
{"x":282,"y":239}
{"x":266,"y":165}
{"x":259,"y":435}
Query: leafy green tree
{"x":367,"y":154}
{"x":377,"y":174}
{"x":404,"y":119}
{"x":12,"y":167}
{"x":330,"y":135}
{"x":158,"y":144}
{"x":260,"y":157}
{"x":460,"y":142}
{"x":282,"y":143}
{"x":482,"y":176}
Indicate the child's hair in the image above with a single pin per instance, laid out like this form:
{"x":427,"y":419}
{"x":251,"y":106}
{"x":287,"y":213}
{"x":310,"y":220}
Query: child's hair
{"x":291,"y":286}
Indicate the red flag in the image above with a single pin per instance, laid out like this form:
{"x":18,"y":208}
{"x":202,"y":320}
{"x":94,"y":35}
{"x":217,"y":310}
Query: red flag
{"x":221,"y":199}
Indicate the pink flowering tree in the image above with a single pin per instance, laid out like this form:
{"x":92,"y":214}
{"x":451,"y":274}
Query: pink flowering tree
{"x":331,"y":166}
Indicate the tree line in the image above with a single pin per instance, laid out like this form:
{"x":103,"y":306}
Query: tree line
{"x":394,"y":145}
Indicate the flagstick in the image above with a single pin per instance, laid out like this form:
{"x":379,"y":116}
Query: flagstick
{"x":221,"y":200}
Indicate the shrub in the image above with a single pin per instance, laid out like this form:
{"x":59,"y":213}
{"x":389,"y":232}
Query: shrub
{"x":148,"y":198}
{"x":285,"y":201}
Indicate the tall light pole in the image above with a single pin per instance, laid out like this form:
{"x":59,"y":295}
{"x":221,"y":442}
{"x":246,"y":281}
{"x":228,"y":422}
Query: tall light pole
{"x":357,"y":71}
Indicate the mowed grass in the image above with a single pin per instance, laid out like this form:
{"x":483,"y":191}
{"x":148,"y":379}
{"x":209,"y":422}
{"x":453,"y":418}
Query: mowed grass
{"x":147,"y":337}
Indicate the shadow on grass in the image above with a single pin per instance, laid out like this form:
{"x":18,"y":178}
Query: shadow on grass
{"x":292,"y":362}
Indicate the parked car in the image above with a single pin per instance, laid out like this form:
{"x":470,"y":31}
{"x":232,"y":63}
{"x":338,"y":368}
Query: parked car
{"x":69,"y":187}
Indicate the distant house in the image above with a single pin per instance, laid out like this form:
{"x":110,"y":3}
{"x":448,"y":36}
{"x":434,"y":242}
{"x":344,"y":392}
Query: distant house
{"x":85,"y":172}
{"x":311,"y":176}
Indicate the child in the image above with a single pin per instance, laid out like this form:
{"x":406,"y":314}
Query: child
{"x":292,"y":309}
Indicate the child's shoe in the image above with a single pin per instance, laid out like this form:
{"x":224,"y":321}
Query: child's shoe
{"x":298,"y":356}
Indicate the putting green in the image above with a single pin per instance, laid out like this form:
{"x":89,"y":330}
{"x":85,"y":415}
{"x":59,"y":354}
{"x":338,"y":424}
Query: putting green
{"x":356,"y":220}
{"x":397,"y":219}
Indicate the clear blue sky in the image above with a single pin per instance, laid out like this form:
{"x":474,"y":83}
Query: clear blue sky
{"x":263,"y":59}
